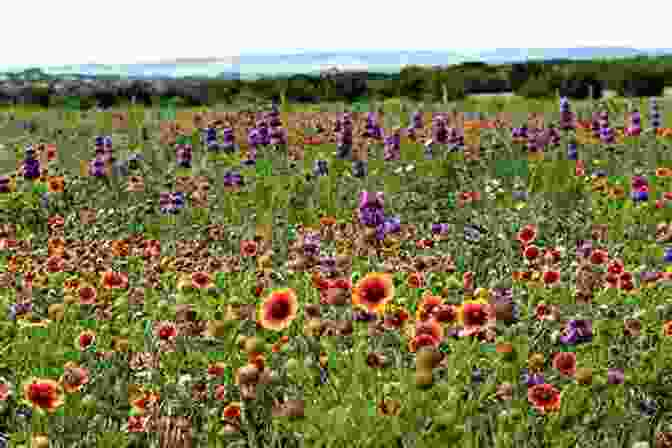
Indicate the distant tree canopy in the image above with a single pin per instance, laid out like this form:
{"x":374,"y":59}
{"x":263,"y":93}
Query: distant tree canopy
{"x":641,"y":76}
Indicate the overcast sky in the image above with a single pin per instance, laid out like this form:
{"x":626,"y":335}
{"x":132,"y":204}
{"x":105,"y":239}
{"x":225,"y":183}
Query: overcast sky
{"x":76,"y":32}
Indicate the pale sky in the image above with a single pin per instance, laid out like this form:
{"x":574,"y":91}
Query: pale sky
{"x":123,"y":31}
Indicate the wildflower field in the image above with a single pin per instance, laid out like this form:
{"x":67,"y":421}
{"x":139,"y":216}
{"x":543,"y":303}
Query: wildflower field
{"x":398,"y":276}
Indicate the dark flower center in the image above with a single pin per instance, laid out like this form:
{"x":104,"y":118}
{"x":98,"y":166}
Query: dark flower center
{"x":279,"y":309}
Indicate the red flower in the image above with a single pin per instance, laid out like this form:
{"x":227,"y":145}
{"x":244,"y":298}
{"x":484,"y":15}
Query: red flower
{"x":151,"y":248}
{"x":86,"y":339}
{"x":547,"y":312}
{"x":527,"y":234}
{"x":138,"y":423}
{"x":55,"y":264}
{"x":599,"y":256}
{"x":531,"y":252}
{"x":373,"y":291}
{"x":544,"y":397}
{"x":422,"y":340}
{"x":565,"y":362}
{"x":552,"y":255}
{"x":551,"y":277}
{"x":87,"y":295}
{"x":615,"y":267}
{"x":468,"y":280}
{"x":248,"y":248}
{"x":43,"y":394}
{"x":279,"y":310}
{"x":201,"y":280}
{"x":115,"y":280}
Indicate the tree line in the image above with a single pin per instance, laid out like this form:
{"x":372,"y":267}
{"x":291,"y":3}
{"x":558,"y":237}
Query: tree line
{"x":634,"y":77}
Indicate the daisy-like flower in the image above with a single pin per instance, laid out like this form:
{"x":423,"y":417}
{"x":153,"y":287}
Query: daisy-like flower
{"x":473,"y":315}
{"x":43,"y":394}
{"x":114,"y":280}
{"x":278,"y":310}
{"x":544,"y":397}
{"x":373,"y":291}
{"x":74,"y":377}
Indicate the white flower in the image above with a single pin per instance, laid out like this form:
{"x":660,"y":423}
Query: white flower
{"x":640,"y":445}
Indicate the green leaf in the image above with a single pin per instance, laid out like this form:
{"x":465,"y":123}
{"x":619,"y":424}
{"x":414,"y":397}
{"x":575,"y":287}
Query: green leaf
{"x":488,"y":348}
{"x":332,"y":360}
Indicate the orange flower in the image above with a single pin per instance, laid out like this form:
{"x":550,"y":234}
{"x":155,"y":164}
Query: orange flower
{"x":373,"y":291}
{"x":395,"y":319}
{"x":145,"y":402}
{"x":232,"y":411}
{"x":248,"y":248}
{"x":278,"y":345}
{"x":422,"y":340}
{"x":56,"y":247}
{"x":430,"y":327}
{"x":85,"y":339}
{"x":44,"y":394}
{"x":56,"y":184}
{"x":663,"y":172}
{"x":71,"y":284}
{"x":279,"y":310}
{"x":429,"y":304}
{"x":667,"y":328}
{"x":201,"y":280}
{"x":120,"y":248}
{"x":544,"y":397}
{"x":114,"y":280}
{"x":74,"y":377}
{"x":327,"y":221}
{"x":415,"y":280}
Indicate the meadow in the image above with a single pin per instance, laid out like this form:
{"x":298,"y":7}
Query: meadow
{"x":505,"y":285}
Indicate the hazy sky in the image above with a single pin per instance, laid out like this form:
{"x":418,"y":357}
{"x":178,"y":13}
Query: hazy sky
{"x":124,"y":31}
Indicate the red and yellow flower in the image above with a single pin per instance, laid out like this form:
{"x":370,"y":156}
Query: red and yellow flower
{"x":278,"y":310}
{"x":43,"y":394}
{"x":373,"y":291}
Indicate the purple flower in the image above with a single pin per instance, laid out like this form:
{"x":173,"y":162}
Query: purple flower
{"x":371,"y":211}
{"x":615,"y":376}
{"x":439,"y":228}
{"x":531,"y":380}
{"x":577,"y":331}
